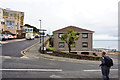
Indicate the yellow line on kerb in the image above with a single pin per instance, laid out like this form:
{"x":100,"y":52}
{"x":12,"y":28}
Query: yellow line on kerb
{"x":22,"y":52}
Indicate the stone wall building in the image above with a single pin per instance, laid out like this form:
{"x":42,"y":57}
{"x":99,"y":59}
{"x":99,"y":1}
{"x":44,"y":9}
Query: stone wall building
{"x":84,"y":45}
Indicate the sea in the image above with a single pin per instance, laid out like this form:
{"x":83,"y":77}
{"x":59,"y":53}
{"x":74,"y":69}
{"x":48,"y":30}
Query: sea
{"x":108,"y":44}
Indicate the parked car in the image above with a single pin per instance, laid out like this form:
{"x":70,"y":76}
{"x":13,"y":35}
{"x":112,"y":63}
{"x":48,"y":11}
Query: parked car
{"x":0,"y":44}
{"x":6,"y":37}
{"x":29,"y":35}
{"x":37,"y":36}
{"x":10,"y":36}
{"x":3,"y":37}
{"x":14,"y":36}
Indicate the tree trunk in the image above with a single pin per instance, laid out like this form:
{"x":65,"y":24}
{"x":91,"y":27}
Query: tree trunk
{"x":69,"y":48}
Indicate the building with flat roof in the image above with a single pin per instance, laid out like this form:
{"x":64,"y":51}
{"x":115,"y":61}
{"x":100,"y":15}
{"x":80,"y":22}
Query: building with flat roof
{"x":84,"y":45}
{"x":11,"y":20}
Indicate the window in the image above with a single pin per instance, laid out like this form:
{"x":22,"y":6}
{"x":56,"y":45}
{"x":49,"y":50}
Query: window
{"x":4,"y":13}
{"x":11,"y":14}
{"x":7,"y":22}
{"x":2,"y":30}
{"x":59,"y":35}
{"x":2,"y":23}
{"x":10,"y":27}
{"x":10,"y":22}
{"x":17,"y":26}
{"x":26,"y":30}
{"x":84,"y":35}
{"x":61,"y":44}
{"x":31,"y":30}
{"x":84,"y":44}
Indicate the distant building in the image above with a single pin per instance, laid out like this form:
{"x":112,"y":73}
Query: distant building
{"x":27,"y":29}
{"x":24,"y":29}
{"x":84,"y":45}
{"x":11,"y":20}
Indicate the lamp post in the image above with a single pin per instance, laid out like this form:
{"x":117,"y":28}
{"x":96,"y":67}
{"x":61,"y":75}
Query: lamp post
{"x":40,"y":31}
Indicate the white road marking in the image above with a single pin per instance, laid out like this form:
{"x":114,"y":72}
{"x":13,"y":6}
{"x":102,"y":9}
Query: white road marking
{"x":24,"y":57}
{"x":99,"y":70}
{"x":46,"y":70}
{"x":4,"y":42}
{"x":55,"y":76}
{"x":5,"y":57}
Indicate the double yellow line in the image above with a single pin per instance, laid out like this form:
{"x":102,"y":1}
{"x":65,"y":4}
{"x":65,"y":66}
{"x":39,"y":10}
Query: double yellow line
{"x":25,"y":50}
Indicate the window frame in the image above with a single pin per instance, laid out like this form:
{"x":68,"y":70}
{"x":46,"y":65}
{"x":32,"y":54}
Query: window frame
{"x":10,"y":28}
{"x":11,"y":15}
{"x":59,"y":44}
{"x":4,"y":13}
{"x":3,"y":23}
{"x":17,"y":26}
{"x":84,"y":46}
{"x":26,"y":30}
{"x":10,"y":22}
{"x":84,"y":34}
{"x":31,"y":30}
{"x":59,"y":35}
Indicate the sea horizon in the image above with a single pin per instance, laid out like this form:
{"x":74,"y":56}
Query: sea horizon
{"x":108,"y":44}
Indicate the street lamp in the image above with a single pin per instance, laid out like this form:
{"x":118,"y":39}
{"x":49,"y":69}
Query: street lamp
{"x":40,"y":31}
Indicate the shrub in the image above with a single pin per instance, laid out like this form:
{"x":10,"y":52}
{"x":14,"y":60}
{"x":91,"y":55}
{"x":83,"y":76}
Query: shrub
{"x":95,"y":54}
{"x":71,"y":55}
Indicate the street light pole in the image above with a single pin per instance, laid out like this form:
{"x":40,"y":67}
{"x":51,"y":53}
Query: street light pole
{"x":43,"y":41}
{"x":40,"y":31}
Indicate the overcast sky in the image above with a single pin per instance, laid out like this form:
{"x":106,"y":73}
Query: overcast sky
{"x":100,"y":16}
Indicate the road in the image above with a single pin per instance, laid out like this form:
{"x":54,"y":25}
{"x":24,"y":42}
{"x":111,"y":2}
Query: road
{"x":41,"y":68}
{"x":13,"y":49}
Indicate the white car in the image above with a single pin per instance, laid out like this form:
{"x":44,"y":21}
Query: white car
{"x":0,"y":43}
{"x":3,"y":37}
{"x":29,"y":36}
{"x":10,"y":36}
{"x":6,"y":37}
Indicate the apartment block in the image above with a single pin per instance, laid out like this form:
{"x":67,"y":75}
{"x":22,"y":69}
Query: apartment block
{"x":11,"y":20}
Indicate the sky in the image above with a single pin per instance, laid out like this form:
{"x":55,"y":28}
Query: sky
{"x":100,"y":16}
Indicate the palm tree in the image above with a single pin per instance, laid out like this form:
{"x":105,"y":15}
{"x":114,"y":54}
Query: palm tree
{"x":70,"y":37}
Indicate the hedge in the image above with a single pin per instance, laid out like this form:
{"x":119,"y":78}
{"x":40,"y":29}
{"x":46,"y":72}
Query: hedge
{"x":71,"y":55}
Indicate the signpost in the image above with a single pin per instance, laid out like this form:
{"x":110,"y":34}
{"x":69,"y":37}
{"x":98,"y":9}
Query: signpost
{"x":43,"y":33}
{"x":42,"y":36}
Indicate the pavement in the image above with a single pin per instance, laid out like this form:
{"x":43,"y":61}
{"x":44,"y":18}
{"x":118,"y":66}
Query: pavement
{"x":10,"y":41}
